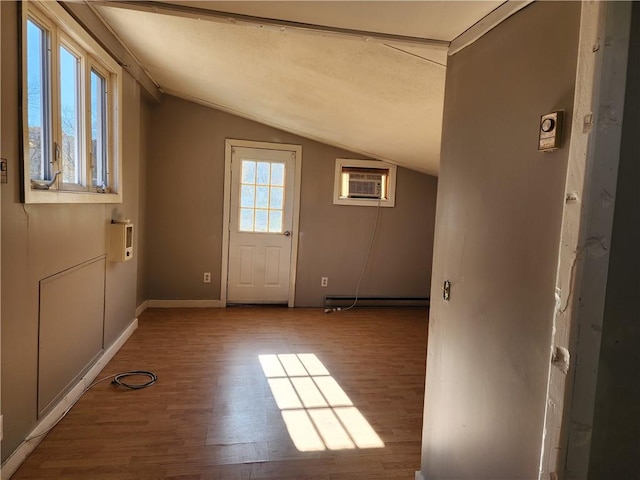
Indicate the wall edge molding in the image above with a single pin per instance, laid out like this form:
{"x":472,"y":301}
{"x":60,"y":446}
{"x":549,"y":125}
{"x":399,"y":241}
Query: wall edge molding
{"x":141,"y":308}
{"x":21,"y":453}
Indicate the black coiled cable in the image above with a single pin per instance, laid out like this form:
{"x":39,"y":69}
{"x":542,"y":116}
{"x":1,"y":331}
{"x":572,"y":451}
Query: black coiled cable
{"x":117,"y":379}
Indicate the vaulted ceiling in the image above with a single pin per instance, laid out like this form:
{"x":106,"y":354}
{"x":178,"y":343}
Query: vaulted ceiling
{"x":367,"y":76}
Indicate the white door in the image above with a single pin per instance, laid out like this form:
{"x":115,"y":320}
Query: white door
{"x":260,"y":225}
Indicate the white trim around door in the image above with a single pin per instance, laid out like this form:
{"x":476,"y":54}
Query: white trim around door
{"x":230,"y":144}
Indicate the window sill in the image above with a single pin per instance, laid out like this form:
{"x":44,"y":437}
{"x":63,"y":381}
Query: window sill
{"x":363,"y":202}
{"x":56,"y":196}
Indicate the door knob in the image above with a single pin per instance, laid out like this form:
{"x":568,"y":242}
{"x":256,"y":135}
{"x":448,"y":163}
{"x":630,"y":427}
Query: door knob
{"x":287,"y":233}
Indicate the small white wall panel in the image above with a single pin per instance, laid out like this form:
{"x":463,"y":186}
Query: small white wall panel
{"x":71,"y":328}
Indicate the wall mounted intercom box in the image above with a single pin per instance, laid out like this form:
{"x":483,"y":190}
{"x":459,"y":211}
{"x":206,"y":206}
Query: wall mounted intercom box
{"x":121,"y":241}
{"x":550,"y":134}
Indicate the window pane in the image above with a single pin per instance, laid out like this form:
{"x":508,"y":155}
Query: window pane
{"x":258,"y":196}
{"x":37,"y":148}
{"x":247,"y":196}
{"x":246,"y":220}
{"x":277,"y":197}
{"x":248,"y":171}
{"x":275,"y":221}
{"x":263,"y":173}
{"x":277,"y":174}
{"x":262,"y":197}
{"x":99,"y":130}
{"x":69,"y":116}
{"x":261,"y":220}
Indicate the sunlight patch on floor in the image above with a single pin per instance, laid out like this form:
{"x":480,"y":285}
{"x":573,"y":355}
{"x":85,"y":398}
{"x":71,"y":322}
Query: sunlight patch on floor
{"x":319,"y":415}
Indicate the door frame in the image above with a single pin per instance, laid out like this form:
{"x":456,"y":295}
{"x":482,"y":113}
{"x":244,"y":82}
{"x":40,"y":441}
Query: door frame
{"x":230,"y":143}
{"x":581,"y":279}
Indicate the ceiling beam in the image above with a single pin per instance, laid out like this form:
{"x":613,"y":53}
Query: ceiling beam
{"x":85,"y":14}
{"x":486,"y":24}
{"x":260,"y":22}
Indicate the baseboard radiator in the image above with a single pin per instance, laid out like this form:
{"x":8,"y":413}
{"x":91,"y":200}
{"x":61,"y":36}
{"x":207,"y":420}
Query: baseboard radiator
{"x":341,"y":301}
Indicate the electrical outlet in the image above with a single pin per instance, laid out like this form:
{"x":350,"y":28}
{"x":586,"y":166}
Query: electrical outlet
{"x":324,"y":281}
{"x":207,"y":277}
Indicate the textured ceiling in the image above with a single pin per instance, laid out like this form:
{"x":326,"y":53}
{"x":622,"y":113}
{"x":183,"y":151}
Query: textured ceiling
{"x":379,"y":97}
{"x":438,"y":20}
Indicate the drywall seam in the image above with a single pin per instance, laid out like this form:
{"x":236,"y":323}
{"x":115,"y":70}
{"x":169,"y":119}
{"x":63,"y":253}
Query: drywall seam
{"x":586,"y":233}
{"x":488,"y":23}
{"x":22,"y":452}
{"x":184,"y":303}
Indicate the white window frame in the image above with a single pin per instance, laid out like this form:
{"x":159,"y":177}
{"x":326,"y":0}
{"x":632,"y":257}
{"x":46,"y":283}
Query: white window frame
{"x":344,"y":163}
{"x":63,"y":30}
{"x":105,"y":74}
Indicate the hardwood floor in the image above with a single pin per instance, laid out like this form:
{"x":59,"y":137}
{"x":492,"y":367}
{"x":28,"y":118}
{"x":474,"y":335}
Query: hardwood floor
{"x":212,"y":414}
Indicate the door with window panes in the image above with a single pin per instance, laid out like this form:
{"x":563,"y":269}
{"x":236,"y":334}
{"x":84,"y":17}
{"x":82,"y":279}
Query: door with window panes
{"x":261,"y":218}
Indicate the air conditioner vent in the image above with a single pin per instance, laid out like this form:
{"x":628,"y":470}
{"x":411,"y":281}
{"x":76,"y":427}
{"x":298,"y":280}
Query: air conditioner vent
{"x":364,"y":182}
{"x":365,"y":185}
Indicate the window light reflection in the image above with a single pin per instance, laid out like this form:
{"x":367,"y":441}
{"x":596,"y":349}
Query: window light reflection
{"x":333,"y":392}
{"x":293,"y":365}
{"x":361,"y":432}
{"x":302,"y":431}
{"x":271,"y":366}
{"x":284,"y":393}
{"x":308,"y":392}
{"x":318,"y":413}
{"x":331,"y":430}
{"x":313,"y":365}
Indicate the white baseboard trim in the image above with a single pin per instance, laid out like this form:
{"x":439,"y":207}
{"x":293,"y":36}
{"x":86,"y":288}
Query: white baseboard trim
{"x":22,"y":452}
{"x":184,"y":303}
{"x":141,"y":308}
{"x":419,"y":476}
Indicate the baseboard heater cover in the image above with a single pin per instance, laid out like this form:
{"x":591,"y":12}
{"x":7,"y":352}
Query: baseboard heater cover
{"x":368,"y":301}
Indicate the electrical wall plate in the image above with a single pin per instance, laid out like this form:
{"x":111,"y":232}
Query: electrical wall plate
{"x":550,"y":131}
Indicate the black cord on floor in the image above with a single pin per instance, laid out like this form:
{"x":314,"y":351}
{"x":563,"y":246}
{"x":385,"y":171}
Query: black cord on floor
{"x":116,"y":381}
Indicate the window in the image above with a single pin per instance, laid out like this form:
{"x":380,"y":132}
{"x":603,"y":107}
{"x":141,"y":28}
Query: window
{"x":71,"y":111}
{"x":364,"y":183}
{"x":261,"y":196}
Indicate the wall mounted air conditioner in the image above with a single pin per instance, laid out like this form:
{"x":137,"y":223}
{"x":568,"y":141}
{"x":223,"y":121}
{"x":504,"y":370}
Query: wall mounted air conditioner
{"x":365,"y":185}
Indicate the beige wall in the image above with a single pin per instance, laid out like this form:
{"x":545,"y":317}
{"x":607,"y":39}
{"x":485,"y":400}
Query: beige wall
{"x":185,"y":208}
{"x":41,"y":240}
{"x":615,"y":439}
{"x":497,"y":234}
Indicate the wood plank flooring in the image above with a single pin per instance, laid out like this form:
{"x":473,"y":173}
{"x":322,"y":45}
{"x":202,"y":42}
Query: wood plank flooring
{"x":212,"y":414}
